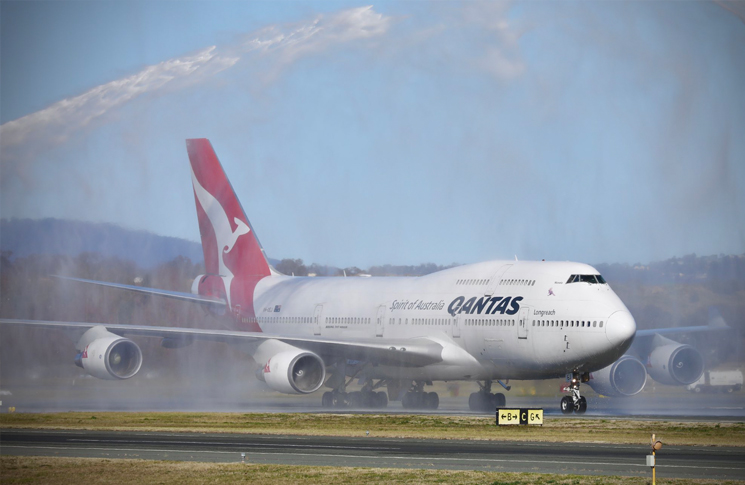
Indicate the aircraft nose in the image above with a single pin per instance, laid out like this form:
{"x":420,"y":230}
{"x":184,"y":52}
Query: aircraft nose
{"x":620,"y":328}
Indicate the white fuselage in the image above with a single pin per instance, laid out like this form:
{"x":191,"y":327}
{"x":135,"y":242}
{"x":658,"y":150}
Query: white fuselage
{"x":495,"y":320}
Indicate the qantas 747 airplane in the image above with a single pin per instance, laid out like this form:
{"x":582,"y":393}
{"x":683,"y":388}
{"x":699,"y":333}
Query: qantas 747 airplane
{"x":484,"y":322}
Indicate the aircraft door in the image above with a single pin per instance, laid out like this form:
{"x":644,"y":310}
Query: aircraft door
{"x":317,"y":320}
{"x":456,"y":326}
{"x":380,"y":322}
{"x":494,"y":280}
{"x":522,"y":323}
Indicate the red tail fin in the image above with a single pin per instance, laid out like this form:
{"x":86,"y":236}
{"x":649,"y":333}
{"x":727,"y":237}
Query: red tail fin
{"x":231,"y":249}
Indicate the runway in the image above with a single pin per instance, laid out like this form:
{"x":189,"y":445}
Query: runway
{"x":91,"y":394}
{"x":725,"y":463}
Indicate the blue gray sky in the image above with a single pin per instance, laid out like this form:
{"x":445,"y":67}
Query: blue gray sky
{"x":399,"y":132}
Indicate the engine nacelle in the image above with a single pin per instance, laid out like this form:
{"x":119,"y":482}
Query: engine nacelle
{"x":625,"y":377}
{"x":112,"y":357}
{"x":294,"y":372}
{"x":675,"y":364}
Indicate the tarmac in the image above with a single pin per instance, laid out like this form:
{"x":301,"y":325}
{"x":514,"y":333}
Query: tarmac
{"x":694,"y":462}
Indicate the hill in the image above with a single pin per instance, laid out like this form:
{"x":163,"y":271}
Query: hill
{"x":24,"y":237}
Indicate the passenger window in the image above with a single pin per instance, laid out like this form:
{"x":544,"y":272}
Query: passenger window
{"x":601,"y":324}
{"x":594,"y":324}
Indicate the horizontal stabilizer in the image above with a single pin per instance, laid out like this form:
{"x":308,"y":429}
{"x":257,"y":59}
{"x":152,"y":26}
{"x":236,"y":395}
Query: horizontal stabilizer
{"x":151,"y":291}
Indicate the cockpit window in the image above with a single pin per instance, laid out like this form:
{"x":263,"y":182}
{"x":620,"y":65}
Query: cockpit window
{"x":587,"y":278}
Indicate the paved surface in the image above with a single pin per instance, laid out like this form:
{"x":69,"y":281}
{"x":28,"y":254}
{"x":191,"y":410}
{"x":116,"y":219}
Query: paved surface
{"x":573,"y":458}
{"x":159,"y":395}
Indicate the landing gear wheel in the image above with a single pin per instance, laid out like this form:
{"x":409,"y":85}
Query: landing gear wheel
{"x":356,"y":400}
{"x":581,"y":405}
{"x":501,"y":400}
{"x":567,"y":405}
{"x":339,"y":399}
{"x":431,"y":400}
{"x":476,"y":401}
{"x":414,"y":400}
{"x":380,"y":400}
{"x":485,"y":402}
{"x":327,"y":400}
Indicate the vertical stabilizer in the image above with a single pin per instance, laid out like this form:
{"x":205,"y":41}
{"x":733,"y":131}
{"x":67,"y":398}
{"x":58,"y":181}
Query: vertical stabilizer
{"x":233,"y":256}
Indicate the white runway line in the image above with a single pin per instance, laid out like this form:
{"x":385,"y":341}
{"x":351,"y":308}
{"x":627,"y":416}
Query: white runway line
{"x":410,"y":458}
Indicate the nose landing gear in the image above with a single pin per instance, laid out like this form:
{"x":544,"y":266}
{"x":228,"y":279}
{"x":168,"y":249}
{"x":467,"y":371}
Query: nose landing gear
{"x":575,"y":403}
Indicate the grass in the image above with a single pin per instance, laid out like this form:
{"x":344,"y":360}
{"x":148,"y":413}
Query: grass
{"x":16,"y":470}
{"x":555,"y":429}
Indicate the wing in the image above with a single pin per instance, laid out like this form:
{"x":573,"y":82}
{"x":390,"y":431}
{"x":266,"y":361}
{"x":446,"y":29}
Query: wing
{"x":642,"y":334}
{"x":412,"y":352}
{"x":645,"y":340}
{"x":152,"y":291}
{"x":715,"y":323}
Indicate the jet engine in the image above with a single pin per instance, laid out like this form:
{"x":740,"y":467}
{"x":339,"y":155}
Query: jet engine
{"x":625,"y":377}
{"x":294,"y":372}
{"x":110,"y":357}
{"x":675,"y":364}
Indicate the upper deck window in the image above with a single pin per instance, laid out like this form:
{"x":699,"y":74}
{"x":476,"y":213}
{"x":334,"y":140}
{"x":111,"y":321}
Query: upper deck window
{"x":586,"y":278}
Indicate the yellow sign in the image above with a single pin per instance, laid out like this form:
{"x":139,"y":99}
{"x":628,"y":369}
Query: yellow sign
{"x":534,"y":416}
{"x":508,"y":416}
{"x":519,"y":416}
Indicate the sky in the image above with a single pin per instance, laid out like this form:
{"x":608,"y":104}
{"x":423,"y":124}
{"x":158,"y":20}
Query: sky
{"x":397,"y":132}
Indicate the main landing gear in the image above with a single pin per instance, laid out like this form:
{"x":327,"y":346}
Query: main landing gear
{"x":485,"y":400}
{"x":416,"y":398}
{"x":367,"y":397}
{"x":575,"y":403}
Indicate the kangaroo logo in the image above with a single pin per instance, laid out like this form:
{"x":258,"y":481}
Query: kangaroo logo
{"x":226,"y":237}
{"x":240,"y":230}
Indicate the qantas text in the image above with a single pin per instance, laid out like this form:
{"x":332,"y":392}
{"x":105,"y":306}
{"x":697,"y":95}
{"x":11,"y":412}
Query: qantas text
{"x":485,"y":305}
